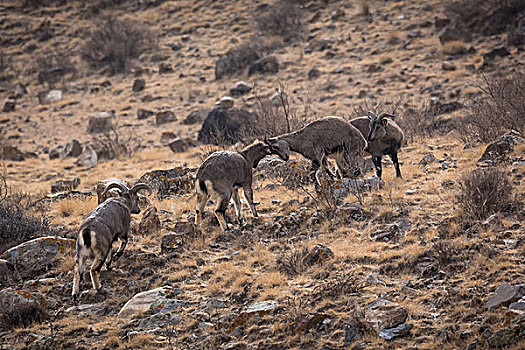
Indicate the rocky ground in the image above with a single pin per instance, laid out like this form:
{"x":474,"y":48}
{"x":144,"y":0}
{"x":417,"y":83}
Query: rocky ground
{"x":364,"y":264}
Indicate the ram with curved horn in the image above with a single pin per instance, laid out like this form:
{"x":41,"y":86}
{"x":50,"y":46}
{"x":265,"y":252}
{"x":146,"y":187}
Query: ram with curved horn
{"x":384,"y":137}
{"x":107,"y":223}
{"x":321,"y":138}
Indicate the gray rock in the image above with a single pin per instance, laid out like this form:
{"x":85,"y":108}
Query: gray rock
{"x":51,"y":96}
{"x":87,"y":310}
{"x":88,"y":158}
{"x":259,"y":308}
{"x":241,"y":88}
{"x":12,"y":153}
{"x":314,"y":73}
{"x":65,"y":185}
{"x":167,"y":136}
{"x":21,"y":303}
{"x":264,"y":65}
{"x":447,"y":65}
{"x":224,"y":125}
{"x":72,"y":149}
{"x":138,"y":85}
{"x":196,"y":117}
{"x":179,"y":145}
{"x":165,"y":68}
{"x":9,"y":105}
{"x":101,"y":123}
{"x":36,"y":256}
{"x":317,"y":255}
{"x":144,"y":114}
{"x":164,"y":117}
{"x":225,"y":102}
{"x":518,"y":305}
{"x":171,"y":242}
{"x":385,"y":315}
{"x":506,"y":294}
{"x":396,"y":332}
{"x":54,"y":154}
{"x":499,"y":149}
{"x":158,"y":300}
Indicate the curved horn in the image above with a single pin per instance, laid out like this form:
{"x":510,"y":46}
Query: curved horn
{"x":122,"y":188}
{"x":383,"y":115}
{"x":372,"y":114}
{"x":141,"y":186}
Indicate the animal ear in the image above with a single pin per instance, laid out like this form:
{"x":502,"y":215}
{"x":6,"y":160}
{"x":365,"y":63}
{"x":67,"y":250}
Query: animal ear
{"x":371,"y":115}
{"x":384,"y":121}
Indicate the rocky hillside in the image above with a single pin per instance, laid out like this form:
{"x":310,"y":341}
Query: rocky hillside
{"x":145,"y":90}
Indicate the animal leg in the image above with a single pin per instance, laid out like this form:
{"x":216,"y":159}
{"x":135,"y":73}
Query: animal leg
{"x":393,"y":156}
{"x":109,"y":260}
{"x":79,"y":268}
{"x":95,"y":271}
{"x":122,"y":246}
{"x":327,"y":169}
{"x":237,"y":203}
{"x":248,"y":194}
{"x":220,"y":211}
{"x":202,"y":198}
{"x":377,"y":164}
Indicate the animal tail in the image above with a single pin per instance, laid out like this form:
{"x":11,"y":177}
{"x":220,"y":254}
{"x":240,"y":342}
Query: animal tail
{"x":202,"y":186}
{"x":86,"y":236}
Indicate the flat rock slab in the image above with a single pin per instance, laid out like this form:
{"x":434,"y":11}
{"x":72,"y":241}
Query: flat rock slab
{"x":385,"y":316}
{"x":160,"y":299}
{"x":506,"y":294}
{"x":33,"y":257}
{"x":396,"y":332}
{"x":260,"y":308}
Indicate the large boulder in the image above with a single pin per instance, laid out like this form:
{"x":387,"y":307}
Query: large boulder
{"x":224,"y":125}
{"x":20,"y":308}
{"x":101,"y":122}
{"x":264,"y":65}
{"x":171,"y":182}
{"x":150,"y":222}
{"x":33,"y":257}
{"x":499,"y":149}
{"x":196,"y":117}
{"x":72,"y":149}
{"x":505,"y":295}
{"x":51,"y":96}
{"x":11,"y":153}
{"x":383,"y":314}
{"x":158,"y":300}
{"x":235,"y":60}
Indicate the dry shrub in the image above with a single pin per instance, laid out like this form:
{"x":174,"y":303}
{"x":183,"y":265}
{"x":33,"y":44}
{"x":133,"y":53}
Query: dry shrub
{"x":483,"y":192}
{"x":455,"y":47}
{"x":54,"y":67}
{"x":293,"y":263}
{"x":500,"y":108}
{"x":486,"y":17}
{"x":113,"y":43}
{"x":23,"y":316}
{"x":281,"y":19}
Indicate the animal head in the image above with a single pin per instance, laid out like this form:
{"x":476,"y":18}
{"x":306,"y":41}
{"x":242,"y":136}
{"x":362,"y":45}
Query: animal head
{"x":130,"y":194}
{"x":377,"y":125}
{"x":279,"y":147}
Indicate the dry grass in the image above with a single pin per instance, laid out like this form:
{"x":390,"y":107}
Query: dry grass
{"x":455,"y":47}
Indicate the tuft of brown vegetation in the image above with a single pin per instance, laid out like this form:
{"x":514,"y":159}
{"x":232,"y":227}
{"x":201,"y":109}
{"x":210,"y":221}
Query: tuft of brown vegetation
{"x":500,"y":108}
{"x":23,"y":316}
{"x":281,"y":19}
{"x":483,"y":192}
{"x":54,"y":67}
{"x":113,"y":43}
{"x":455,"y":47}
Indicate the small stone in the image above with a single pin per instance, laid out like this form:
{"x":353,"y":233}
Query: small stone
{"x":101,"y":122}
{"x":12,"y":153}
{"x":46,"y":97}
{"x":396,"y":332}
{"x":9,"y":105}
{"x":241,"y":88}
{"x":317,"y":255}
{"x":65,"y":185}
{"x":164,"y":117}
{"x":314,"y":73}
{"x":506,"y":294}
{"x":385,"y":315}
{"x":518,"y":305}
{"x":139,"y":84}
{"x":225,"y":102}
{"x":264,"y":65}
{"x":165,"y":68}
{"x":447,"y":65}
{"x":260,"y":308}
{"x":150,"y":222}
{"x":72,"y":149}
{"x":196,"y":117}
{"x":428,"y":159}
{"x":144,"y":114}
{"x":179,"y":145}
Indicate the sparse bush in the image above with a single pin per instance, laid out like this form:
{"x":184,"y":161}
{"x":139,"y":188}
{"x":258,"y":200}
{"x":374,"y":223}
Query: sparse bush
{"x":455,"y":47}
{"x":23,"y":316}
{"x":114,"y":43}
{"x":239,"y":58}
{"x":17,"y":226}
{"x":500,"y":108}
{"x":483,"y":192}
{"x":282,"y":19}
{"x":486,"y":17}
{"x":293,"y":263}
{"x":53,"y":67}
